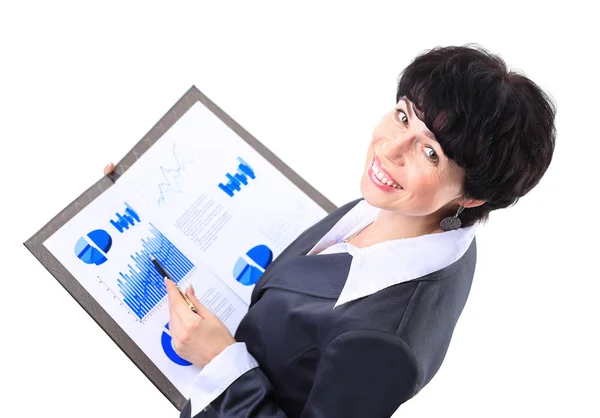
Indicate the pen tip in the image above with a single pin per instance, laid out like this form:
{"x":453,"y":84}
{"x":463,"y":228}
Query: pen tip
{"x":151,"y":258}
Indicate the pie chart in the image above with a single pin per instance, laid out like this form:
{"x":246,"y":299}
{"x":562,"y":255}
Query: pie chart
{"x":167,"y":344}
{"x":92,"y":249}
{"x":252,"y":265}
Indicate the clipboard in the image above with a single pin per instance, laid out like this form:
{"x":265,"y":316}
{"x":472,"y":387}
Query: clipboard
{"x":35,"y":244}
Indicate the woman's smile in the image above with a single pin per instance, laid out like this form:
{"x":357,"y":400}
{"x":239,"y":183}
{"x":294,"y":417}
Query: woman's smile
{"x":381,"y":177}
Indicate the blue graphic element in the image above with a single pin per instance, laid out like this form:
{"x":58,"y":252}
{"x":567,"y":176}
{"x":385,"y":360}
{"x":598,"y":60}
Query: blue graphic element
{"x":167,"y":345}
{"x":93,"y":251}
{"x":124,"y":221}
{"x":171,"y":175}
{"x":101,"y":238}
{"x":248,"y":274}
{"x":143,"y":287}
{"x":241,"y":177}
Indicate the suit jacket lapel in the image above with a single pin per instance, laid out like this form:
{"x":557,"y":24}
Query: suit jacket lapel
{"x":318,"y":275}
{"x":315,"y":275}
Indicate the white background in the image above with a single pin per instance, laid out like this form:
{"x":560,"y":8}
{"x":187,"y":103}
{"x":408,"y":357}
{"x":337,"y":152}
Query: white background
{"x":80,"y":84}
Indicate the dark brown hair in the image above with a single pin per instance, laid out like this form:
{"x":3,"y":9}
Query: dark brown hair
{"x":496,"y":124}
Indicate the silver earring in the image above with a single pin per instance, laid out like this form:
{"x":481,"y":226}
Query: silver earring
{"x":452,"y":222}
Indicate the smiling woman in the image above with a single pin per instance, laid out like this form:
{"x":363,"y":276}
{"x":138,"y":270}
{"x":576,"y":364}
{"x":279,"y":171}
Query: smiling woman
{"x":466,"y":137}
{"x":355,"y":316}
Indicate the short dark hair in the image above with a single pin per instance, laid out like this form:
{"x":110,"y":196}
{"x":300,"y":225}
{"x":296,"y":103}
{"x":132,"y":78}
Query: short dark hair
{"x":496,"y":124}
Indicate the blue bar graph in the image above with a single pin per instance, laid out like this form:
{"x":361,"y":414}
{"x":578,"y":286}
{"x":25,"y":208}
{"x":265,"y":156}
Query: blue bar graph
{"x":126,"y":220}
{"x":237,"y":179}
{"x":143,"y":287}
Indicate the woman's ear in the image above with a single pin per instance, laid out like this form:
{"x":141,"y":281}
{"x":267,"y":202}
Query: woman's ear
{"x":470,"y":203}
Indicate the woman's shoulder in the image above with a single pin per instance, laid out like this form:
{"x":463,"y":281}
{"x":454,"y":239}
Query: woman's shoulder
{"x":428,"y":323}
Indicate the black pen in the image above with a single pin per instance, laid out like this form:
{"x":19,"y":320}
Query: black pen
{"x":161,"y":270}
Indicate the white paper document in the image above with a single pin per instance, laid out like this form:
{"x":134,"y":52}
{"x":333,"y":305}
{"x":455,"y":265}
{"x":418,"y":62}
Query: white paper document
{"x":208,"y":207}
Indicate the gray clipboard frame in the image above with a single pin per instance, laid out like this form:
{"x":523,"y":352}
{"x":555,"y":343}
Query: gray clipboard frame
{"x":78,"y":292}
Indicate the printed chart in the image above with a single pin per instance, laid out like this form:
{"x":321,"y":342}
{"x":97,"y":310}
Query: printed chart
{"x":142,"y":286}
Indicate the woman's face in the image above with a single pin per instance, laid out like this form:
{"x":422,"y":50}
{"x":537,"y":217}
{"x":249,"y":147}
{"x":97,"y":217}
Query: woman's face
{"x":406,"y":154}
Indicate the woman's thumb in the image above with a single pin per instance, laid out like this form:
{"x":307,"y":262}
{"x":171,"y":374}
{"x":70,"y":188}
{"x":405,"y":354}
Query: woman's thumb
{"x":110,"y":167}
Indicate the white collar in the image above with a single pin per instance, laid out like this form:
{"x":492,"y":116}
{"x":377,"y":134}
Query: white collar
{"x":388,"y":263}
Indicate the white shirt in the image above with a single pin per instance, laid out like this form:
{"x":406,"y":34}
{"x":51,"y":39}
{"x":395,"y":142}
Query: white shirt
{"x":372,"y":269}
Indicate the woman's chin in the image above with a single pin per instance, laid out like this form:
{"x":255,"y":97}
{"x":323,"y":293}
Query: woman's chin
{"x":372,"y":195}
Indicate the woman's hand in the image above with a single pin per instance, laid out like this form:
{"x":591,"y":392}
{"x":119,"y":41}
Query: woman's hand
{"x":197,"y":337}
{"x":110,"y":167}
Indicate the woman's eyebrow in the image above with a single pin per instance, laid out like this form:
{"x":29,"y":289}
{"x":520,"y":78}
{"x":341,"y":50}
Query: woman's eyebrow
{"x":411,"y":113}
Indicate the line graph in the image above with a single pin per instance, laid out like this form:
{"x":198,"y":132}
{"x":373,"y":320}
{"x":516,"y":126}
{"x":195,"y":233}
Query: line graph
{"x":171,"y":178}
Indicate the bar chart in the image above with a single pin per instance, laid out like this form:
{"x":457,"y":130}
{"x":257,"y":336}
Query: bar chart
{"x":237,"y":179}
{"x":141,"y":286}
{"x":126,"y":220}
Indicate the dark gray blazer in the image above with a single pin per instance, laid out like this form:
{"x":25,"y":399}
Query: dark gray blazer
{"x":363,"y":359}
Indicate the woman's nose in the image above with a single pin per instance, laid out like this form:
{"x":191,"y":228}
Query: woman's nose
{"x":396,"y":150}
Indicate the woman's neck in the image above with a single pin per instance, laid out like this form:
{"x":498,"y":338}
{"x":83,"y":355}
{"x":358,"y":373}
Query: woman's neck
{"x":389,"y":226}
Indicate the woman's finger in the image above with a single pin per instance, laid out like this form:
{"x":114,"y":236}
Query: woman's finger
{"x":110,"y":167}
{"x":200,"y":308}
{"x":176,"y":302}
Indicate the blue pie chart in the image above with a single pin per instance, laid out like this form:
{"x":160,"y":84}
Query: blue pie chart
{"x":93,"y":249}
{"x":248,"y":269}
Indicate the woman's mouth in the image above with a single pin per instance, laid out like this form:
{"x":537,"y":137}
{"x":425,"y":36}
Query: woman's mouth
{"x":381,"y":178}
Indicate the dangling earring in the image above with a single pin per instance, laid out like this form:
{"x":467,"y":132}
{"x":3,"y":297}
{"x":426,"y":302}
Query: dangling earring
{"x":452,"y":222}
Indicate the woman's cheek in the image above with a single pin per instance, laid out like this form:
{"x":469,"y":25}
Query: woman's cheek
{"x":422,"y":190}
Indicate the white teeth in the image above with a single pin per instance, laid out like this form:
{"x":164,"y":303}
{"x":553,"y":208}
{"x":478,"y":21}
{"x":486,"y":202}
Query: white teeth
{"x":379,"y":174}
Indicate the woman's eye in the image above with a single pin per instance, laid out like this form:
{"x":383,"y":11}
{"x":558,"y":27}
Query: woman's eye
{"x":402,"y":116}
{"x":431,"y":154}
